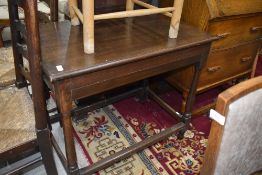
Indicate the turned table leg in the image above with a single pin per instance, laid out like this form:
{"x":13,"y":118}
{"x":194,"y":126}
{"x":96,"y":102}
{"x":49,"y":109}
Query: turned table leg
{"x":191,"y":96}
{"x":63,"y":97}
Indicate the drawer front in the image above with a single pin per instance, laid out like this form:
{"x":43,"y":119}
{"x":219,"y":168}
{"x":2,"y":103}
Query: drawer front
{"x":235,"y":31}
{"x":227,"y":63}
{"x":234,"y":7}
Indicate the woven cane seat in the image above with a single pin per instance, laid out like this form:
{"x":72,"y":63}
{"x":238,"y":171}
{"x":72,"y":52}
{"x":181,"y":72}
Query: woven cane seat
{"x":17,"y":122}
{"x":7,"y":71}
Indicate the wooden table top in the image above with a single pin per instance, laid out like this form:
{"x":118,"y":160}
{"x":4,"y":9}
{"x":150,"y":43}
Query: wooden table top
{"x":117,"y":41}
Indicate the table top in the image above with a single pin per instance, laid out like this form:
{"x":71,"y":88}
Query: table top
{"x":117,"y":42}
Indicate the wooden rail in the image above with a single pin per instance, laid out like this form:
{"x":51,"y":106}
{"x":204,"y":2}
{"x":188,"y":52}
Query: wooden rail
{"x":133,"y":13}
{"x":127,"y":152}
{"x":125,"y":14}
{"x":146,"y":5}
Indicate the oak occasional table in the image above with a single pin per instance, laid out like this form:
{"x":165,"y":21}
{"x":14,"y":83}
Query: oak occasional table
{"x":127,"y":50}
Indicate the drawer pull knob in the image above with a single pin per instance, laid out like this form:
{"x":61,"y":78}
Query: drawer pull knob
{"x":213,"y":69}
{"x":246,"y":59}
{"x":254,"y":29}
{"x":223,"y":35}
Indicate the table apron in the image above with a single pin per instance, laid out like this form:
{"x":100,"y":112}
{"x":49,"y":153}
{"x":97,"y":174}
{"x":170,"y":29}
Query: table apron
{"x":107,"y":79}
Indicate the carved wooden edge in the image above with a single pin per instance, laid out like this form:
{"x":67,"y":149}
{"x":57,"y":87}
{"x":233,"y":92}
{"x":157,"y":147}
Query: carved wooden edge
{"x":222,"y":105}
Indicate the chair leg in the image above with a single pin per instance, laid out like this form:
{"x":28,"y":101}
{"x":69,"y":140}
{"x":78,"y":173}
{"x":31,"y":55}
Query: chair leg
{"x":175,"y":20}
{"x":65,"y":104}
{"x":74,"y":18}
{"x":129,"y":5}
{"x":88,"y":26}
{"x":45,"y":146}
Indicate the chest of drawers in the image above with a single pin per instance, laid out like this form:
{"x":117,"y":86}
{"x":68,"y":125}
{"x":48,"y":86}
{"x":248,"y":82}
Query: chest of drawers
{"x":239,"y":27}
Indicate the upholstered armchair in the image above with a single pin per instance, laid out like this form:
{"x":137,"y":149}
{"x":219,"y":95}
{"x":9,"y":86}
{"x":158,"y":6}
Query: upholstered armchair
{"x":235,"y":140}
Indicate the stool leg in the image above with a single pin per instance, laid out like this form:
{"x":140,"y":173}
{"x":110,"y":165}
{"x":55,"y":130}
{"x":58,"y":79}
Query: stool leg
{"x":74,"y":18}
{"x":88,"y":26}
{"x":175,"y":20}
{"x":129,"y":5}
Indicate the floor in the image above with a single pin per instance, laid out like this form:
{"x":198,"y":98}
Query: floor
{"x":57,"y":131}
{"x":58,"y":134}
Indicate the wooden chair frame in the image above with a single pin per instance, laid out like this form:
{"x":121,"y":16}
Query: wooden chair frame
{"x":88,"y":17}
{"x":222,"y":106}
{"x":26,"y":44}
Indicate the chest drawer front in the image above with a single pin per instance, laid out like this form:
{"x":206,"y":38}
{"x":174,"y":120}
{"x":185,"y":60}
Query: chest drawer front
{"x":234,"y":7}
{"x":235,"y":31}
{"x":223,"y":64}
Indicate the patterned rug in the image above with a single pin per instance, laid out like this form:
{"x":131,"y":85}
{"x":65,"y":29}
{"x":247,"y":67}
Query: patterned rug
{"x":113,"y":128}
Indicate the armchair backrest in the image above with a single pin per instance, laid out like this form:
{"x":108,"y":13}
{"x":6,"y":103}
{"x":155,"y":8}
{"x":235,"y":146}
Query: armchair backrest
{"x":236,"y":147}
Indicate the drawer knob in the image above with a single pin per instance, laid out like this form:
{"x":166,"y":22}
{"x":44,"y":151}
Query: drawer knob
{"x":254,"y":29}
{"x":245,"y":59}
{"x":223,"y":35}
{"x":213,"y":69}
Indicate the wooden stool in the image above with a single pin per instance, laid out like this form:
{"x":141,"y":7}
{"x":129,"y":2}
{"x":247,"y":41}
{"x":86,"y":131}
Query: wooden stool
{"x":88,"y":17}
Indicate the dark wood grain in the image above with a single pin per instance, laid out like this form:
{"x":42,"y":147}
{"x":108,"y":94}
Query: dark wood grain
{"x":117,"y":42}
{"x":30,"y":28}
{"x":37,"y":84}
{"x":127,"y":51}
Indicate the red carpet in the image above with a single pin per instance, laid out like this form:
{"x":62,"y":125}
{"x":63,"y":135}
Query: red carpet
{"x":111,"y":129}
{"x":100,"y":135}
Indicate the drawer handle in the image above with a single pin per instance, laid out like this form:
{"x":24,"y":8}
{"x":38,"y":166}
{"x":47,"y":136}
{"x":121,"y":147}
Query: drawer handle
{"x":245,"y":59}
{"x":254,"y":29}
{"x":223,"y":35}
{"x":213,"y":69}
